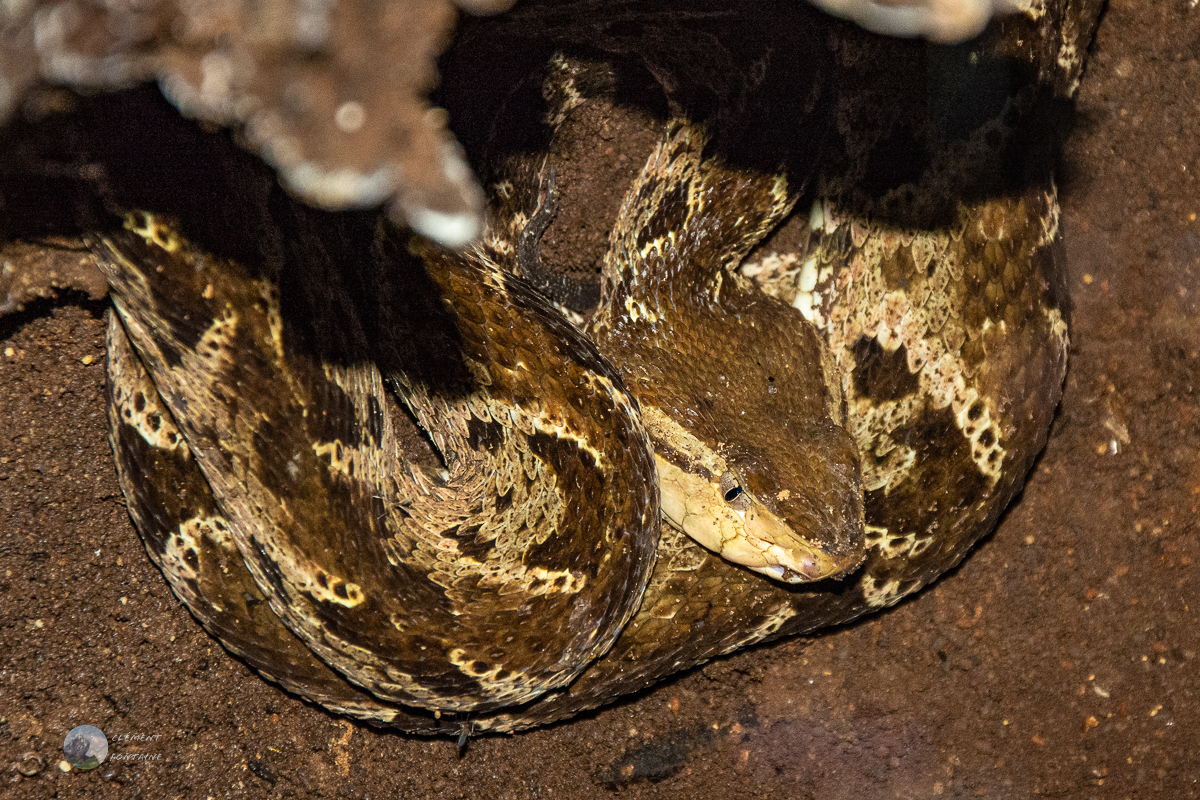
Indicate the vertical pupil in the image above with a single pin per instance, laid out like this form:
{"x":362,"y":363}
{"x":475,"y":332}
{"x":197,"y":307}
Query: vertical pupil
{"x":733,"y":494}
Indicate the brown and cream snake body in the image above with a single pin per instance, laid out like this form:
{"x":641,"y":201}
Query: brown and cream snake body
{"x":255,"y":409}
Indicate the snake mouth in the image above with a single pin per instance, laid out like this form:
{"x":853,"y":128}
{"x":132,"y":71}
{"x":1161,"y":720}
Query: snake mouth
{"x":751,"y":536}
{"x":814,"y":565}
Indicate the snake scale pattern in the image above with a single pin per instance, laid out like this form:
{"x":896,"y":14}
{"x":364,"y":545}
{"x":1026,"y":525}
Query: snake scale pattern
{"x":509,"y":565}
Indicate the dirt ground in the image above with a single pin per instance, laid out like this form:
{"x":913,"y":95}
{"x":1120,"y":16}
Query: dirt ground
{"x":1060,"y":659}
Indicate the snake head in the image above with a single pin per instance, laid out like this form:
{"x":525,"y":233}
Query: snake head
{"x":808,"y":532}
{"x":802,"y":515}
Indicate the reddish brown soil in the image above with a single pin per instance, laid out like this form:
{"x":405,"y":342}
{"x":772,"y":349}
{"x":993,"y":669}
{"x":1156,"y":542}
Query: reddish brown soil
{"x":1059,"y":659}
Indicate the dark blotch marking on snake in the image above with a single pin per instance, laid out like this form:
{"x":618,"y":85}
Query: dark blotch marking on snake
{"x":881,"y":375}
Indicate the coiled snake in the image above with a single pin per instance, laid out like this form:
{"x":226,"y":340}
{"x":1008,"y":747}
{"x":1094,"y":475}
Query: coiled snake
{"x":257,"y":409}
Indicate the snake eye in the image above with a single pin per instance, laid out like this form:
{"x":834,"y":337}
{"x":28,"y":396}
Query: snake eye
{"x":733,"y":493}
